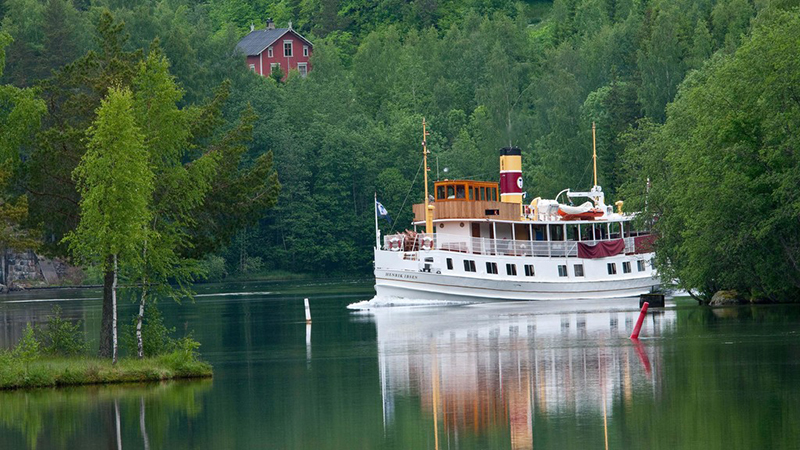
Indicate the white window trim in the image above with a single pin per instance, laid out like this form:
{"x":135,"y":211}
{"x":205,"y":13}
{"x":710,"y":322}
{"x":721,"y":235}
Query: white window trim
{"x":305,"y":50}
{"x":291,"y":48}
{"x":253,"y":67}
{"x":272,"y":67}
{"x":305,"y":66}
{"x":269,"y":52}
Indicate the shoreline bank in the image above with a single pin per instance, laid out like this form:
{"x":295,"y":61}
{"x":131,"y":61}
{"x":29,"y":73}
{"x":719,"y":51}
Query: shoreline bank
{"x":53,"y":372}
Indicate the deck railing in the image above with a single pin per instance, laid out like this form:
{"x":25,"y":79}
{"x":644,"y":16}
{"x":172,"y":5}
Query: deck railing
{"x":487,"y":246}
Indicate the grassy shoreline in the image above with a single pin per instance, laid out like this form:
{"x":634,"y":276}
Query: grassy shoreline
{"x":75,"y":371}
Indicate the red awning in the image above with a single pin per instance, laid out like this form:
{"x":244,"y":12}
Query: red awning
{"x":601,"y":250}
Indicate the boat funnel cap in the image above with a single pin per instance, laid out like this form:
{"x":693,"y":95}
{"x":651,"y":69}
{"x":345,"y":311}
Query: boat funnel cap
{"x":510,"y":151}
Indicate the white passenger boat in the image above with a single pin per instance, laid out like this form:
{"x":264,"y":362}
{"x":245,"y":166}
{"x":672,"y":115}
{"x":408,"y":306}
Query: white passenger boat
{"x":481,"y":243}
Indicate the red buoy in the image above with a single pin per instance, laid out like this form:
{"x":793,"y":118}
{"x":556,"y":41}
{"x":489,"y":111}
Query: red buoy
{"x":635,"y":334}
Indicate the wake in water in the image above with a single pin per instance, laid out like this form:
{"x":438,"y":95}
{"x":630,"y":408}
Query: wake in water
{"x":384,"y":302}
{"x":232,"y":294}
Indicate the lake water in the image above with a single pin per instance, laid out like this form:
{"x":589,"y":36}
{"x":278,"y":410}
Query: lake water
{"x":489,"y":376}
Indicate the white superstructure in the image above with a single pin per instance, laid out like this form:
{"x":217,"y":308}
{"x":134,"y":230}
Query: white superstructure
{"x":453,"y":265}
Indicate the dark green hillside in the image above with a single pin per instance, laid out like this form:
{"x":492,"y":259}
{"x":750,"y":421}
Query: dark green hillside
{"x":484,"y":74}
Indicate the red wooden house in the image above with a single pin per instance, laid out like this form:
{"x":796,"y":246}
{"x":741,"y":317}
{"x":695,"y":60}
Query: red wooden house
{"x":270,"y":48}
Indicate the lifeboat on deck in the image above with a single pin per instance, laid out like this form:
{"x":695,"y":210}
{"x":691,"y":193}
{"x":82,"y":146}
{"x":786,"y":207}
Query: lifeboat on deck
{"x":585,"y":211}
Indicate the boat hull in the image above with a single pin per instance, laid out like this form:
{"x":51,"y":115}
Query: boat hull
{"x":410,"y":279}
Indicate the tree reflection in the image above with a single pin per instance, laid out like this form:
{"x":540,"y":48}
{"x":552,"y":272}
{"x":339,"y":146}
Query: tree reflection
{"x":55,"y":418}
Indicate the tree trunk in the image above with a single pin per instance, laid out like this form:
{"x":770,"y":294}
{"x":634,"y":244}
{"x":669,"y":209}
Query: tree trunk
{"x":106,"y":339}
{"x":3,"y":266}
{"x":139,"y":343}
{"x":114,"y":308}
{"x":140,"y":318}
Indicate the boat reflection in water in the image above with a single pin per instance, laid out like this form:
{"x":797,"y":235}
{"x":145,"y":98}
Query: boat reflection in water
{"x":512,"y":368}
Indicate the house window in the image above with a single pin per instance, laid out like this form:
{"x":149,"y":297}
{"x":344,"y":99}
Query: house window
{"x":303,"y":69}
{"x":274,"y":66}
{"x":253,"y":67}
{"x":529,"y":270}
{"x":562,"y":270}
{"x":626,"y":267}
{"x":469,"y":266}
{"x":449,"y":263}
{"x":269,"y":52}
{"x":578,"y":269}
{"x":511,"y":269}
{"x":305,"y":50}
{"x":640,"y":265}
{"x":287,"y":48}
{"x":491,"y":268}
{"x":612,"y":268}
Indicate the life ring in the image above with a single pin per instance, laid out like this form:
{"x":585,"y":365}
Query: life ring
{"x":427,"y":243}
{"x":394,"y":244}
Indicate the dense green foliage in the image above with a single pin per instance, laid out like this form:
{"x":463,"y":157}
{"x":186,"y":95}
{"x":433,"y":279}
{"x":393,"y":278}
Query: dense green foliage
{"x":484,"y":75}
{"x":60,"y":336}
{"x":725,"y":169}
{"x":156,"y":337}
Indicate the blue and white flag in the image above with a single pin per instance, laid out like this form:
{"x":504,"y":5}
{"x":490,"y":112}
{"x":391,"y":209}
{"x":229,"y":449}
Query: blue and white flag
{"x":382,"y":212}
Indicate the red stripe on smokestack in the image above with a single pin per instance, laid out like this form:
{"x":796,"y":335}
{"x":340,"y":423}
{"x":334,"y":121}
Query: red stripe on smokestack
{"x":510,"y":170}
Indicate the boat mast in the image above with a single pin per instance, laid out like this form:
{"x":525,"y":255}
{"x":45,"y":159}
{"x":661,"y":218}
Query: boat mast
{"x":428,"y":206}
{"x":594,"y":153}
{"x":377,"y":230}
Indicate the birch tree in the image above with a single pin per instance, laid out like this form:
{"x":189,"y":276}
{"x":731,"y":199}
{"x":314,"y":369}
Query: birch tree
{"x":116,"y":183}
{"x":181,"y":183}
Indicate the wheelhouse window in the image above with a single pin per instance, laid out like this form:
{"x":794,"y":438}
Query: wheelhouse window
{"x":287,"y":49}
{"x":529,"y":272}
{"x":578,"y":269}
{"x":469,"y":265}
{"x":511,"y":269}
{"x":449,"y":263}
{"x":562,"y":270}
{"x":640,"y":265}
{"x":612,"y":268}
{"x":465,"y":190}
{"x":626,"y":267}
{"x":491,"y":268}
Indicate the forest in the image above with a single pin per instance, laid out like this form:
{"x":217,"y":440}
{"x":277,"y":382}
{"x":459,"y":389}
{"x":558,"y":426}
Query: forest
{"x":695,"y":102}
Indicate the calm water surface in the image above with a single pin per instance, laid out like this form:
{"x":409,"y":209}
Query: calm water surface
{"x":507,"y":375}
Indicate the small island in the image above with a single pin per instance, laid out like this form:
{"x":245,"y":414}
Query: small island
{"x":55,"y":355}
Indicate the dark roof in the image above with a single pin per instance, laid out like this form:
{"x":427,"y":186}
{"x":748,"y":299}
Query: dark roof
{"x":258,"y":40}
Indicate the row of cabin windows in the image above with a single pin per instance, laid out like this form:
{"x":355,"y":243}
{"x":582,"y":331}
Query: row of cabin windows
{"x":460,"y":191}
{"x":511,"y":269}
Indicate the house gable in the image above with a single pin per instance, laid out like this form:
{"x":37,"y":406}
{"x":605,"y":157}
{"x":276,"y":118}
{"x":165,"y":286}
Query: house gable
{"x":257,"y":41}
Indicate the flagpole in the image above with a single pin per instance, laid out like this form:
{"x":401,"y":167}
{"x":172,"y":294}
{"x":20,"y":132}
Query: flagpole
{"x":377,"y":230}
